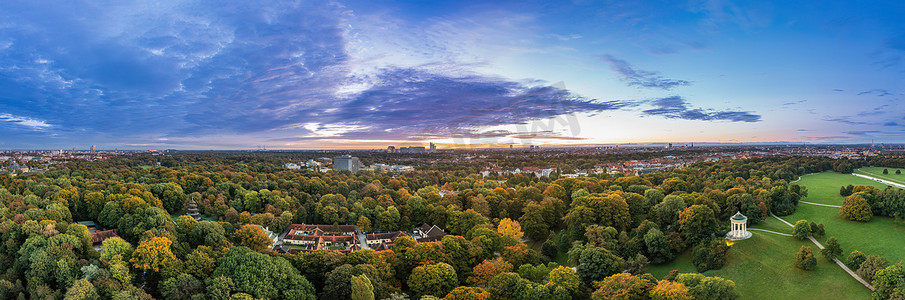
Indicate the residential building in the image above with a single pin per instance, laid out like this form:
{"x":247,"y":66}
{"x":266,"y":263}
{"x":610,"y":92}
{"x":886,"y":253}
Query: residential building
{"x":346,"y":162}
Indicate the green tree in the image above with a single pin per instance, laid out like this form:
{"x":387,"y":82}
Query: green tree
{"x":362,"y":288}
{"x":889,"y":283}
{"x":667,"y":212}
{"x":81,"y":290}
{"x":855,"y":259}
{"x":115,"y":246}
{"x":698,"y":223}
{"x":219,"y":288}
{"x":435,"y":280}
{"x":832,"y":250}
{"x":702,"y":287}
{"x":855,"y":208}
{"x":658,"y":249}
{"x":804,"y":259}
{"x":181,"y":287}
{"x":263,"y":276}
{"x":533,"y":222}
{"x":885,"y":172}
{"x":801,"y":230}
{"x":595,"y":264}
{"x":870,"y":266}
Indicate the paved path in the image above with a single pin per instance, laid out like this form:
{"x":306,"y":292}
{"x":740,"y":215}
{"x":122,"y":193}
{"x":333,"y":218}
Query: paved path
{"x":886,"y":182}
{"x":821,"y":204}
{"x":836,"y":260}
{"x":770,"y":231}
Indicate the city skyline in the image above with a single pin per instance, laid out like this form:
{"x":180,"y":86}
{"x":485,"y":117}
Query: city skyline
{"x":362,"y":75}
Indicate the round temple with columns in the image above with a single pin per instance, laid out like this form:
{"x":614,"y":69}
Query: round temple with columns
{"x":739,"y":228}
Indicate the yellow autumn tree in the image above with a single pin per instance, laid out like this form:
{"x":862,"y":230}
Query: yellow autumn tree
{"x":510,"y":228}
{"x":153,"y":254}
{"x":669,"y":290}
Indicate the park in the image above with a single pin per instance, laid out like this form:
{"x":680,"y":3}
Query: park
{"x":763,"y":266}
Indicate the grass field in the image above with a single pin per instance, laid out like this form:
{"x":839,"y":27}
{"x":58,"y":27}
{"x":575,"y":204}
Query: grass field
{"x":880,"y":236}
{"x":824,"y":187}
{"x":878,"y":173}
{"x":762,"y":268}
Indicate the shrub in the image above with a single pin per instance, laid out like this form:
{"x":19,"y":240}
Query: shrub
{"x":854,"y":260}
{"x":855,"y":208}
{"x":802,"y":229}
{"x":870,"y":266}
{"x":804,"y":259}
{"x":832,"y":249}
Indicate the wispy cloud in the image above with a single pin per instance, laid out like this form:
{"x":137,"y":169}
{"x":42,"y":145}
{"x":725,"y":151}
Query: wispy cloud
{"x":641,"y":78}
{"x":26,"y":122}
{"x":676,"y":107}
{"x":876,"y":92}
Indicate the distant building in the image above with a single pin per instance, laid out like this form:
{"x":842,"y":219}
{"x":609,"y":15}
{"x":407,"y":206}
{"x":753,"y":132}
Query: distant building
{"x":346,"y":162}
{"x":411,"y":150}
{"x":433,"y":147}
{"x":93,"y":149}
{"x":292,"y":166}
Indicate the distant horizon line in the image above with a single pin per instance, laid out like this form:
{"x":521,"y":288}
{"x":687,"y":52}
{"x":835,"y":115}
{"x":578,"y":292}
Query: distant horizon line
{"x":676,"y":145}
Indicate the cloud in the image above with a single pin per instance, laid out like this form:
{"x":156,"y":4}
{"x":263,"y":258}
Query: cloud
{"x":29,"y":123}
{"x":862,"y":132}
{"x":676,"y":107}
{"x":877,"y":92}
{"x":641,"y":78}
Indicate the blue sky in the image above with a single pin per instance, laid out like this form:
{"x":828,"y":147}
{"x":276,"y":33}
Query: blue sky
{"x":366,"y":74}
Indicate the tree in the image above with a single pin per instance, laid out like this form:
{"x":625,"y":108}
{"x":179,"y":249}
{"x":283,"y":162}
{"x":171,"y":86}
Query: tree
{"x":153,"y":254}
{"x":702,"y":287}
{"x":624,"y":286}
{"x":364,"y":223}
{"x":846,"y":191}
{"x":855,"y":208}
{"x":253,"y":237}
{"x":885,"y":172}
{"x":637,"y":264}
{"x":667,"y":212}
{"x":890,"y":283}
{"x":595,"y":264}
{"x":855,"y":259}
{"x":181,"y":287}
{"x":832,"y":249}
{"x":801,"y":230}
{"x":804,"y":259}
{"x":482,"y":273}
{"x":533,"y":221}
{"x":669,"y":290}
{"x":362,"y":288}
{"x":510,"y":228}
{"x":263,"y":276}
{"x":115,"y":246}
{"x":467,"y":293}
{"x":698,"y":223}
{"x":870,"y":266}
{"x":81,"y":290}
{"x":898,"y":172}
{"x":435,"y":280}
{"x":219,"y":288}
{"x":564,"y":278}
{"x":710,"y":256}
{"x":658,"y":248}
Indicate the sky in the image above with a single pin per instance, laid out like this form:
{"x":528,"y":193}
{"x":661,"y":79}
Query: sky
{"x":368,"y":74}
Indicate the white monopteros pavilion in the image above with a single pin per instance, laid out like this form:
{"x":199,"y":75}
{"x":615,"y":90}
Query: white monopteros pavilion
{"x":739,"y":227}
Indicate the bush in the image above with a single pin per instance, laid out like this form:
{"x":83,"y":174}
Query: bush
{"x":854,"y":260}
{"x":802,"y":229}
{"x":885,"y":172}
{"x":804,"y":259}
{"x":832,"y":249}
{"x":898,"y":172}
{"x":710,"y":256}
{"x":855,"y":208}
{"x":846,"y":191}
{"x":870,"y":266}
{"x":816,"y":229}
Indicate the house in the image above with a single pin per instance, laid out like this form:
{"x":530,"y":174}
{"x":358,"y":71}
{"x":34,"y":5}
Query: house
{"x":98,"y":238}
{"x":292,"y":166}
{"x":310,"y":237}
{"x":428,"y":233}
{"x":374,"y":240}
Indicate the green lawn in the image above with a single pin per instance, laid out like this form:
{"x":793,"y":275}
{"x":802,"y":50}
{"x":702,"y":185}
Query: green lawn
{"x":824,"y":187}
{"x":762,"y":268}
{"x":878,"y":173}
{"x":336,"y":248}
{"x":880,"y":236}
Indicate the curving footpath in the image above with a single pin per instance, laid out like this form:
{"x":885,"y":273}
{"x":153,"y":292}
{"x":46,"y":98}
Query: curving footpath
{"x":886,"y":182}
{"x":821,"y":204}
{"x":838,"y":262}
{"x":770,"y":231}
